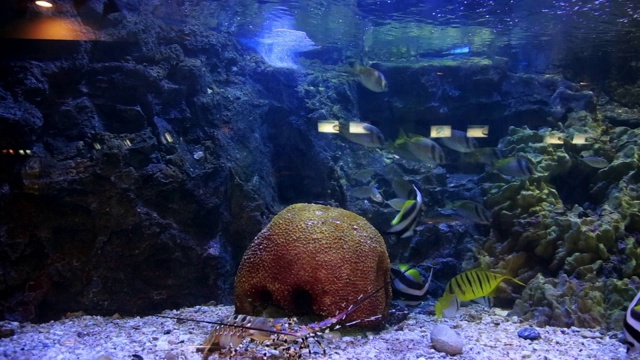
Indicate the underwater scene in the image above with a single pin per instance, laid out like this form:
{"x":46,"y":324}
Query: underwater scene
{"x":319,"y":179}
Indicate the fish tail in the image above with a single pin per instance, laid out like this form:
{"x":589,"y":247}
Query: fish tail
{"x":402,"y":138}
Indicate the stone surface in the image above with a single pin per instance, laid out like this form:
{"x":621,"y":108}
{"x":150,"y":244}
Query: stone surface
{"x":445,"y":340}
{"x":529,"y":333}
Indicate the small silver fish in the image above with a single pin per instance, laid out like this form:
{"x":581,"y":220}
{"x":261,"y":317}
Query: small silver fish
{"x":595,"y":161}
{"x":519,"y":166}
{"x":459,"y":141}
{"x":364,"y":174}
{"x":369,"y":191}
{"x":473,"y":211}
{"x":401,"y":187}
{"x":426,"y":150}
{"x":370,"y":137}
{"x":370,"y":78}
{"x":397,"y":203}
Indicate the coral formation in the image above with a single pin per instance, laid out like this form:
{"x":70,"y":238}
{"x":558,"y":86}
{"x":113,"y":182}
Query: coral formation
{"x":315,"y":258}
{"x":570,"y":220}
{"x":566,"y":302}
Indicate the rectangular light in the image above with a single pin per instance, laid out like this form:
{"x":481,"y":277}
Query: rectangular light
{"x":439,"y":131}
{"x":329,"y":126}
{"x":582,"y":139}
{"x":478,"y":131}
{"x":357,"y":127}
{"x":554,"y":138}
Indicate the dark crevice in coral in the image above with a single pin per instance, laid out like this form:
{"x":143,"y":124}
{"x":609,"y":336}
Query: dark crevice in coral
{"x":302,"y":302}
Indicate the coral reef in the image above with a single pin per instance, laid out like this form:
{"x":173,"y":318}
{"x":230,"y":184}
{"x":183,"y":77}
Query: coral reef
{"x":570,"y":220}
{"x":567,"y":302}
{"x":315,"y":258}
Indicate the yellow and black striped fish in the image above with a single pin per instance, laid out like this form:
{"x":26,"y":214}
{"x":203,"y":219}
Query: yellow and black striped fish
{"x":469,"y":285}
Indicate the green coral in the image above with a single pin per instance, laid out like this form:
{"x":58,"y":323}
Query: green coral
{"x":566,"y":302}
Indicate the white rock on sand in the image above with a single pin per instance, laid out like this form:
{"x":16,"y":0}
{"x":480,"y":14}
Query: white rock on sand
{"x":486,"y":336}
{"x":445,"y":340}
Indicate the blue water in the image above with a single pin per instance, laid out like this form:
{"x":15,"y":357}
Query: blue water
{"x":536,"y":35}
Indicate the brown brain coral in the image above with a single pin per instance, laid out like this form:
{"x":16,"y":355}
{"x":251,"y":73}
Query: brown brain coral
{"x":314,"y":258}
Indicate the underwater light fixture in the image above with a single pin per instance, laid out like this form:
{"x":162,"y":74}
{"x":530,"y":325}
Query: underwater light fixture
{"x":357,"y":127}
{"x":44,"y":4}
{"x":554,"y":138}
{"x":15,"y":152}
{"x":439,"y":131}
{"x":478,"y":131}
{"x":582,"y":139}
{"x":329,"y":126}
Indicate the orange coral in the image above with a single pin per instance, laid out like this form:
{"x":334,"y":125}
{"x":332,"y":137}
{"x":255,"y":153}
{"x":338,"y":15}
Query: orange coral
{"x":314,"y":258}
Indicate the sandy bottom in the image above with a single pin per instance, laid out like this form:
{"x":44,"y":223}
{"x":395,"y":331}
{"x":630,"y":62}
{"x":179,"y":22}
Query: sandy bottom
{"x":487,"y":335}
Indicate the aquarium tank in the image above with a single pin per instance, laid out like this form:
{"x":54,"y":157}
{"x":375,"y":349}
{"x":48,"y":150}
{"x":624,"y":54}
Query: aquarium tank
{"x":194,"y":179}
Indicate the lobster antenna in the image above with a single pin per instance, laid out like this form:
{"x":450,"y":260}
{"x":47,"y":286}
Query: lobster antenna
{"x":226,"y":324}
{"x":339,"y":316}
{"x":362,"y":300}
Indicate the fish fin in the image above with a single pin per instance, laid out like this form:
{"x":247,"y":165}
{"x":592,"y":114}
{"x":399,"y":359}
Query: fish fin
{"x":439,"y":309}
{"x":446,"y":304}
{"x":516,"y":281}
{"x":402,"y":138}
{"x":343,"y":127}
{"x":410,"y":232}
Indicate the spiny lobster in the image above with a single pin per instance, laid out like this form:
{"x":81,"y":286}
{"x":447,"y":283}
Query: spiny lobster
{"x":284,"y":335}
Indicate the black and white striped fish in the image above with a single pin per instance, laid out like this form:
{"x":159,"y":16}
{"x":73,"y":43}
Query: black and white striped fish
{"x":423,"y":149}
{"x":405,"y":222}
{"x":408,"y":285}
{"x":473,"y":211}
{"x":517,"y":166}
{"x":631,"y":326}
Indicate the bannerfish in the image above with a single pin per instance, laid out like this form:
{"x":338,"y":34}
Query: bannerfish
{"x":370,"y":78}
{"x":405,"y":222}
{"x":595,"y":161}
{"x":631,"y":326}
{"x":467,"y":286}
{"x":408,"y":285}
{"x":369,"y":191}
{"x":473,"y":211}
{"x":426,"y":150}
{"x":370,"y":137}
{"x":515,"y":166}
{"x":459,"y":141}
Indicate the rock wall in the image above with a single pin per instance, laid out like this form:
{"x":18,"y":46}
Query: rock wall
{"x":151,"y":166}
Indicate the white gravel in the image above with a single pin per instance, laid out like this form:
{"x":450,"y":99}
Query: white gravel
{"x":487,"y":335}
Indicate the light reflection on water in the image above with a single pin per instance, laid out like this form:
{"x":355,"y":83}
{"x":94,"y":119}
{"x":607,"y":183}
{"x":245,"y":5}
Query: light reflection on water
{"x":534,"y":34}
